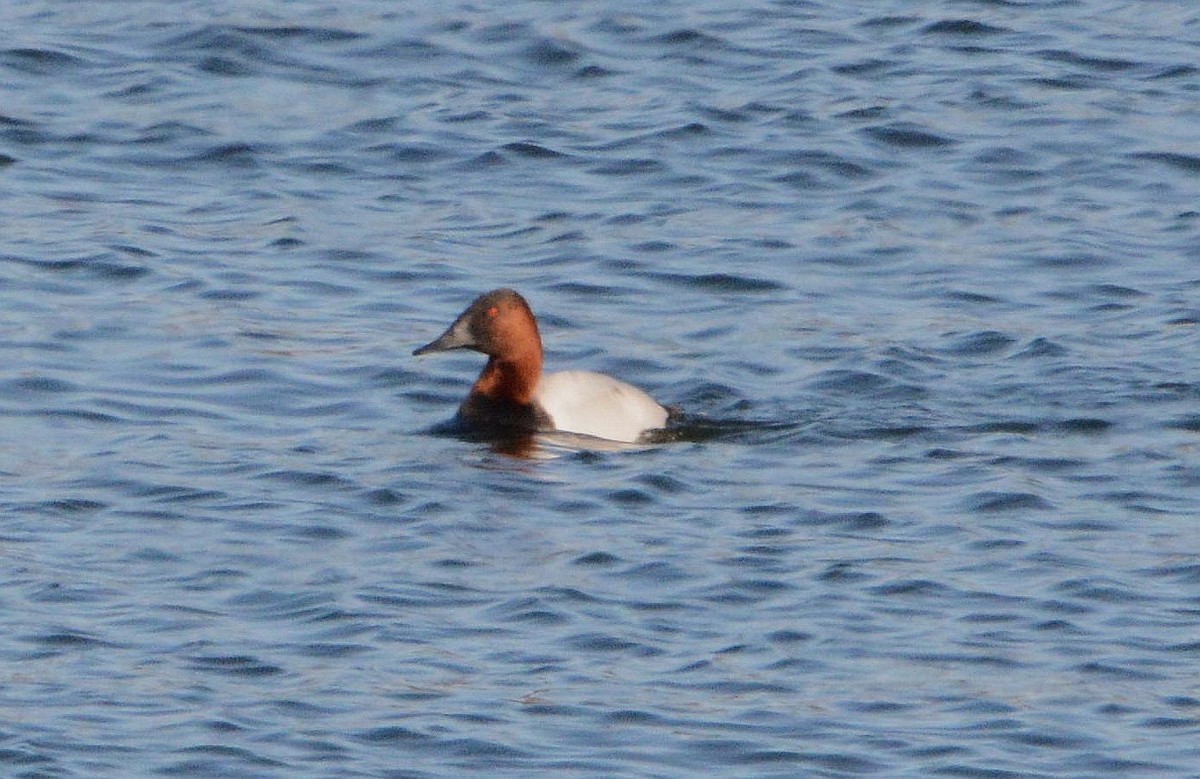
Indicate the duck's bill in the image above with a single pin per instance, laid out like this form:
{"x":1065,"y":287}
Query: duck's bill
{"x":457,"y":337}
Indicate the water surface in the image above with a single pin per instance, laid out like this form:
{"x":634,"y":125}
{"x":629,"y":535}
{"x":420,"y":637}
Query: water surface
{"x":924,"y":279}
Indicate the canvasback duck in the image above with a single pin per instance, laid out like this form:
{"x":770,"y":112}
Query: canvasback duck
{"x":512,"y":393}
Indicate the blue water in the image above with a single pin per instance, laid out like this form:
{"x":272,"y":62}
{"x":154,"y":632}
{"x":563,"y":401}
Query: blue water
{"x":924,"y":278}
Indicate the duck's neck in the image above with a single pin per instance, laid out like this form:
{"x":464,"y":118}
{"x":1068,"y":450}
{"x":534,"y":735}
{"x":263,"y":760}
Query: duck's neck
{"x":513,"y":378}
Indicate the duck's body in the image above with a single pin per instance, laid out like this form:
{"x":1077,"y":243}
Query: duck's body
{"x":598,"y":405}
{"x":512,"y":393}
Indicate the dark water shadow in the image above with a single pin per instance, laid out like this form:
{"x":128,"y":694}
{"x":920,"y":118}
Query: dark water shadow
{"x":681,"y":429}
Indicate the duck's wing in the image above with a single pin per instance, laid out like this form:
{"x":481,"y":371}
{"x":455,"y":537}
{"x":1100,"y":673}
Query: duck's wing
{"x":598,"y":405}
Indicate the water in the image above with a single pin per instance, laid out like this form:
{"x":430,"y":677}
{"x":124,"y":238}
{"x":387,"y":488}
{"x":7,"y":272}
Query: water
{"x":924,"y":278}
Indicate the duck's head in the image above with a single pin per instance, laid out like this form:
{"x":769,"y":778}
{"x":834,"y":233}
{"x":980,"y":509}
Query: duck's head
{"x":499,"y":323}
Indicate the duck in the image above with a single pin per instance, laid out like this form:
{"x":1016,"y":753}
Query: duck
{"x":513,"y":395}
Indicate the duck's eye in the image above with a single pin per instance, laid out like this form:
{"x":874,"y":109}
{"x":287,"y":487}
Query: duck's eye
{"x":493,"y":311}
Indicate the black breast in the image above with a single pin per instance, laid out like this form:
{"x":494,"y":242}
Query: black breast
{"x":486,"y":415}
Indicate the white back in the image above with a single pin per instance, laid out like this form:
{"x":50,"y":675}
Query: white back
{"x":598,"y":405}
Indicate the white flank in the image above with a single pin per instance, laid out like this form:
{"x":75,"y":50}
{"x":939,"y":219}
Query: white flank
{"x":597,"y":405}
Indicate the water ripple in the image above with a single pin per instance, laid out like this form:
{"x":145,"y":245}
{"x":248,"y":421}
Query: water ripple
{"x":918,"y":282}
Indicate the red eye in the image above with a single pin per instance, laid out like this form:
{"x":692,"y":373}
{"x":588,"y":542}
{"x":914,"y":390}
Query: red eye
{"x":493,"y":311}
